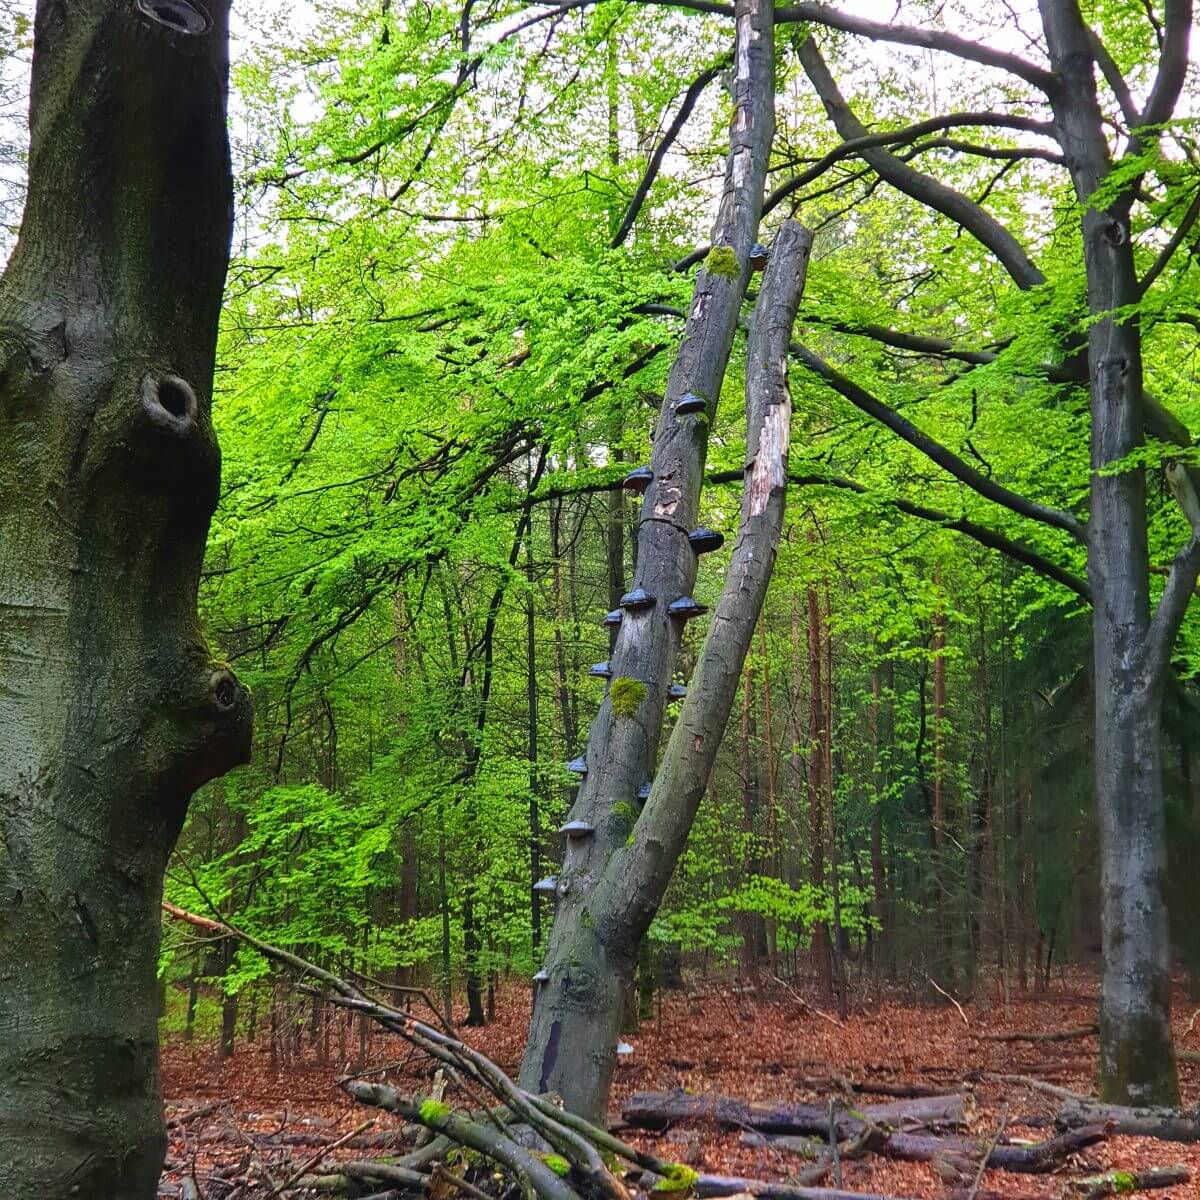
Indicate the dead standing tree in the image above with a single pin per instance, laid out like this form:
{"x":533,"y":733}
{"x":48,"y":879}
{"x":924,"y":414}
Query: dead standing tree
{"x":629,"y":824}
{"x":112,"y":711}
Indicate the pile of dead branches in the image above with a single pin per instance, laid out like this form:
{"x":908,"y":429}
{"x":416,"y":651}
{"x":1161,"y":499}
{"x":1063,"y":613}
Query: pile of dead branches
{"x":506,"y":1142}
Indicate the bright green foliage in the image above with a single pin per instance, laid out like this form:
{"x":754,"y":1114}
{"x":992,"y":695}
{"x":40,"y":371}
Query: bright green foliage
{"x":432,"y":1112}
{"x":557,"y":1164}
{"x":426,"y":329}
{"x":680,"y":1179}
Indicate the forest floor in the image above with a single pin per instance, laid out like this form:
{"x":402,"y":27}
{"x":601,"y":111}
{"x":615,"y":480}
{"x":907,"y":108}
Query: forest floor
{"x":714,"y":1039}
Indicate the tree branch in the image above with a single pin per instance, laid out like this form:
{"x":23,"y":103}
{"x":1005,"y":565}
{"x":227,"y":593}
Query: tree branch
{"x":1172,"y":607}
{"x":865,"y":402}
{"x":890,"y":137}
{"x":1172,"y":64}
{"x":660,"y":151}
{"x":1019,"y":552}
{"x":923,"y":188}
{"x":1168,"y":251}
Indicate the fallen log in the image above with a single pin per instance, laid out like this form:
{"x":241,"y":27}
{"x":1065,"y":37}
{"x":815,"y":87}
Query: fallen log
{"x":657,"y":1110}
{"x":180,"y":1120}
{"x":711,"y":1186}
{"x":1050,"y":1035}
{"x":872,"y":1087}
{"x":1124,"y":1183}
{"x":1040,"y":1158}
{"x":1165,"y":1124}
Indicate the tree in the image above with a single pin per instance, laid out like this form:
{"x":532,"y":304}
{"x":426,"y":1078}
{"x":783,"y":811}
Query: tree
{"x":1133,"y":639}
{"x":619,"y":861}
{"x":113,"y":710}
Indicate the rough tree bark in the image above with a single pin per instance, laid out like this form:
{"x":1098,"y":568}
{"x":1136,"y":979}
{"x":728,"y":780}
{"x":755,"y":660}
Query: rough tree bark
{"x":112,"y":710}
{"x":613,"y":878}
{"x":1131,"y":646}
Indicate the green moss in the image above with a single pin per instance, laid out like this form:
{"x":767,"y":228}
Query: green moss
{"x":722,"y":261}
{"x":557,"y":1164}
{"x":625,"y":811}
{"x":626,"y":695}
{"x":679,"y":1178}
{"x":1123,"y":1181}
{"x":432,"y":1111}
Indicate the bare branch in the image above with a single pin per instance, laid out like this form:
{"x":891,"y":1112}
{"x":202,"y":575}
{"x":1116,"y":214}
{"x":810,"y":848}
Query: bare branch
{"x":923,"y":188}
{"x":890,"y":137}
{"x":660,"y":151}
{"x":1172,"y":63}
{"x":950,"y":462}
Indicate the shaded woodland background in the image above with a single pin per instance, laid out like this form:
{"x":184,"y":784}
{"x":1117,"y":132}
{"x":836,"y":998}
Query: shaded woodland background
{"x":432,"y":374}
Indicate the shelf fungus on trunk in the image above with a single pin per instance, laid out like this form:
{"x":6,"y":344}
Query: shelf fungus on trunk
{"x":637,"y":600}
{"x":643,"y":793}
{"x":600,"y":670}
{"x":686,"y":608}
{"x":575,"y":830}
{"x":613,"y":618}
{"x":705,"y":540}
{"x":638,"y":480}
{"x":676,"y":692}
{"x":578,"y":766}
{"x":548,"y":886}
{"x":690,"y":403}
{"x":759,"y":257}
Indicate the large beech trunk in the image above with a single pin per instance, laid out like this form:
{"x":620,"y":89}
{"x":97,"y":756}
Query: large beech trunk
{"x":612,"y":880}
{"x":112,"y":711}
{"x":1131,"y":646}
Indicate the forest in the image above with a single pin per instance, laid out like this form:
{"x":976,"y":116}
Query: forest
{"x":595,"y":599}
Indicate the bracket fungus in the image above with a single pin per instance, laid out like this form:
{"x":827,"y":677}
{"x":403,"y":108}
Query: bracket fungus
{"x":638,"y":480}
{"x":685,"y":608}
{"x":637,"y":601}
{"x":705,"y":540}
{"x":690,"y":403}
{"x":577,"y":829}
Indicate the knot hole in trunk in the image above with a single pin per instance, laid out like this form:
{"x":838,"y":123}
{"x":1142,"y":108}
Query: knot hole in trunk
{"x":182,"y":16}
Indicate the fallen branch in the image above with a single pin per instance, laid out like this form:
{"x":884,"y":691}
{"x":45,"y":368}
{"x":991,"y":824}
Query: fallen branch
{"x":1040,"y":1158}
{"x":1165,"y":1124}
{"x":1040,"y":1085}
{"x":868,"y":1087}
{"x":657,"y":1110}
{"x":1051,"y":1035}
{"x":1123,"y":1183}
{"x":196,"y":1114}
{"x":952,"y":1000}
{"x":725,"y":1185}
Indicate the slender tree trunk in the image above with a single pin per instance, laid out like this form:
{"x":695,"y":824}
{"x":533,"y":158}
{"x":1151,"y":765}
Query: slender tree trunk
{"x":753,"y":934}
{"x":821,"y":948}
{"x":112,"y":710}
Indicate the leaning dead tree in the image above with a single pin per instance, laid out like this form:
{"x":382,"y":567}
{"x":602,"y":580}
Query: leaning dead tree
{"x":630,"y":820}
{"x":112,"y":711}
